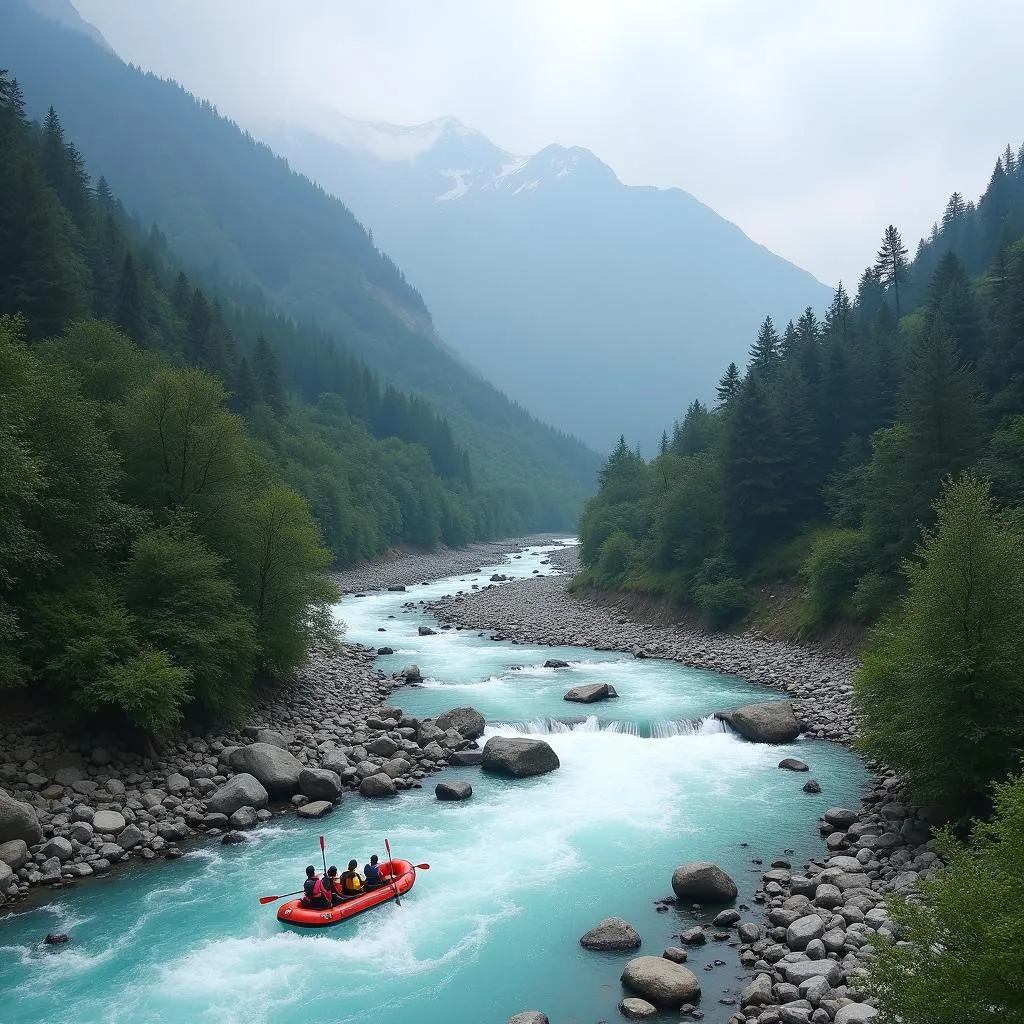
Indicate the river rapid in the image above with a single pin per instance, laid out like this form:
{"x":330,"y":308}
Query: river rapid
{"x":518,"y":872}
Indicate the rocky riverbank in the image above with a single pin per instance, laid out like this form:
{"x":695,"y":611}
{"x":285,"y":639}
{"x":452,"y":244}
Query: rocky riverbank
{"x":808,"y":953}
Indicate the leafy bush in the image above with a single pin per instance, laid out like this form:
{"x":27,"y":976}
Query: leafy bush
{"x":722,"y":602}
{"x":615,"y":558}
{"x":873,"y":596}
{"x":837,"y":560}
{"x":962,"y":961}
{"x":147,"y":690}
{"x":941,"y":691}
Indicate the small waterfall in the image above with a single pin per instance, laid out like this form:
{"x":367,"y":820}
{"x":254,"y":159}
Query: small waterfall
{"x":658,"y":730}
{"x":706,"y":726}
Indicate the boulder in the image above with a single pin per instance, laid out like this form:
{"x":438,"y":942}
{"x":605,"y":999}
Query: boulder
{"x":276,"y":769}
{"x":660,"y":981}
{"x":637,"y":1009}
{"x":841,"y":817}
{"x":589,"y":693}
{"x":14,"y":853}
{"x":675,"y":954}
{"x":453,"y":791}
{"x":58,"y":847}
{"x":6,"y":879}
{"x":770,"y":722}
{"x":129,"y":837}
{"x":529,"y":1017}
{"x":378,"y":785}
{"x":385,"y":650}
{"x":793,"y":764}
{"x":335,"y":761}
{"x":319,"y":784}
{"x":556,"y":663}
{"x":108,"y":822}
{"x":611,"y":933}
{"x":241,"y":791}
{"x":758,"y":992}
{"x":803,"y":930}
{"x":315,"y":809}
{"x":244,"y":817}
{"x":411,"y":674}
{"x":693,"y":936}
{"x":426,"y":631}
{"x":383,"y":746}
{"x":518,"y":758}
{"x":18,"y":821}
{"x":797,"y":973}
{"x":273,"y":737}
{"x":855,"y":1013}
{"x":176,"y":784}
{"x":703,"y":882}
{"x":233,"y":839}
{"x":467,"y":722}
{"x":466,"y":758}
{"x":812,"y":786}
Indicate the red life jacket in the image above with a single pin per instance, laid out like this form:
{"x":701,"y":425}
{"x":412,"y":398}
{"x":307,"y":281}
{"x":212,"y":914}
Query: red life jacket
{"x":320,"y":891}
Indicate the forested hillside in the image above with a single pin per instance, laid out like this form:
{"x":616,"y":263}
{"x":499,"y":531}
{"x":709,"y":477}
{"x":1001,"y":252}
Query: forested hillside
{"x":168,"y":502}
{"x":266,"y":237}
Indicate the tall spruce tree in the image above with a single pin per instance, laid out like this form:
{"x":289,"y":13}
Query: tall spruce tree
{"x":766,"y":351}
{"x":891,"y":266}
{"x":728,"y":385}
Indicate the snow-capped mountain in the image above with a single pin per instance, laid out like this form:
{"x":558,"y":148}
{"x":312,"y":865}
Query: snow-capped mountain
{"x":602,"y":307}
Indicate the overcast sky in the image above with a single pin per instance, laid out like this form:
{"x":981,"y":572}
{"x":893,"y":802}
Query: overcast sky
{"x":810,"y":124}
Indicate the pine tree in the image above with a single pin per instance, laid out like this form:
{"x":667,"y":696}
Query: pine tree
{"x":728,"y":385}
{"x":765,"y":352}
{"x":268,"y":375}
{"x":891,"y":263}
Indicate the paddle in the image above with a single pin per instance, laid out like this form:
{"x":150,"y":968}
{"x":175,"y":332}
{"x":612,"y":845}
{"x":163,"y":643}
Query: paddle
{"x":394,"y":880}
{"x":323,"y":853}
{"x":270,"y":899}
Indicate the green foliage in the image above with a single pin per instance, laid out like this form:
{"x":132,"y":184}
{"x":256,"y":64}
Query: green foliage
{"x":962,"y":958}
{"x":722,"y":602}
{"x":941,"y":691}
{"x":147,"y":690}
{"x":616,"y":558}
{"x":837,"y":560}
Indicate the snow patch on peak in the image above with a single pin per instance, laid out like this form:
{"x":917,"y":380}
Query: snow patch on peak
{"x":459,"y":189}
{"x":391,"y":143}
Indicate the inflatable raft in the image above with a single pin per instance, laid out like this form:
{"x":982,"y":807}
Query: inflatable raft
{"x":396,"y":873}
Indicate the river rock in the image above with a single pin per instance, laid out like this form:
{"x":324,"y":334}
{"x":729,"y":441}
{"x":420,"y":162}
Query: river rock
{"x":242,"y":790}
{"x":382,"y":746}
{"x":466,"y":758}
{"x":453,"y":791}
{"x":276,"y":769}
{"x":244,"y":817}
{"x":675,"y":954}
{"x":385,"y":650}
{"x":841,"y":817}
{"x":855,"y":1013}
{"x":315,"y":809}
{"x":426,"y":631}
{"x":129,"y":837}
{"x":6,"y":879}
{"x":758,"y":992}
{"x":412,"y":674}
{"x":319,"y":784}
{"x":637,"y":1009}
{"x":660,"y":981}
{"x":176,"y":784}
{"x":812,"y":786}
{"x":14,"y":853}
{"x":529,"y":1017}
{"x":793,"y":764}
{"x":58,"y":847}
{"x":611,"y":933}
{"x":467,"y":722}
{"x":704,"y":882}
{"x":799,"y":972}
{"x":57,"y":939}
{"x":589,"y":693}
{"x":377,"y":786}
{"x":770,"y":722}
{"x":335,"y":761}
{"x":108,"y":822}
{"x":803,"y":930}
{"x":693,"y":936}
{"x":18,"y":821}
{"x":556,"y":663}
{"x":518,"y":758}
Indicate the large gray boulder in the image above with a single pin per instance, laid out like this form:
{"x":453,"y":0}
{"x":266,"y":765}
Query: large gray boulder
{"x":108,"y":822}
{"x":634,"y":1008}
{"x":319,"y":784}
{"x":661,"y":982}
{"x":277,"y":769}
{"x":518,"y":758}
{"x":18,"y":821}
{"x":467,"y":722}
{"x":771,"y":722}
{"x":273,"y":737}
{"x":704,"y":882}
{"x":14,"y":853}
{"x":315,"y":809}
{"x":529,"y":1017}
{"x":758,"y":992}
{"x":611,"y":933}
{"x":588,"y":693}
{"x":466,"y":758}
{"x":804,"y":930}
{"x":240,"y":791}
{"x":455,"y":790}
{"x":798,"y":973}
{"x":378,"y":785}
{"x":855,"y":1013}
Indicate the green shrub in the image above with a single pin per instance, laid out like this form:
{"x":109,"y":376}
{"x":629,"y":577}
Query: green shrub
{"x":147,"y":690}
{"x":616,"y":558}
{"x":838,"y":558}
{"x":962,"y":961}
{"x":873,"y":596}
{"x":722,"y":599}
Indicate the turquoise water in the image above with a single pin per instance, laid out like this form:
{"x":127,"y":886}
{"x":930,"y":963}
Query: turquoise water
{"x":517,"y":873}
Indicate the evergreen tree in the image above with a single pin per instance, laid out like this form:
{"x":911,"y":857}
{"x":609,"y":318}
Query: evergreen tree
{"x":131,"y":314}
{"x":728,"y":385}
{"x":766,"y":351}
{"x":891,"y":264}
{"x":268,"y":376}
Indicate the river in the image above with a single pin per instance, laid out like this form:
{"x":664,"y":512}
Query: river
{"x":518,"y":872}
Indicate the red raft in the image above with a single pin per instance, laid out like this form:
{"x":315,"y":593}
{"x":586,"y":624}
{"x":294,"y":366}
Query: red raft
{"x":397,"y":873}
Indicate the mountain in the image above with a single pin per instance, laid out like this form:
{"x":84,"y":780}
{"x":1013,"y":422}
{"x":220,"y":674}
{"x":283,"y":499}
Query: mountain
{"x":235,"y":211}
{"x":63,"y":12}
{"x":569,"y":289}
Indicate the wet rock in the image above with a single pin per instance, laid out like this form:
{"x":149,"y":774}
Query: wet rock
{"x":18,"y":821}
{"x":467,"y":722}
{"x":770,"y":722}
{"x":758,"y":992}
{"x":518,"y":758}
{"x":412,"y":674}
{"x":633,"y":1008}
{"x":232,"y":839}
{"x":841,"y":817}
{"x":529,"y":1017}
{"x":611,"y":933}
{"x":799,"y":972}
{"x":244,"y":817}
{"x":426,"y":631}
{"x":315,"y":809}
{"x":379,"y":785}
{"x":812,"y":786}
{"x":453,"y":791}
{"x":385,"y":650}
{"x":726,"y":918}
{"x":556,"y":663}
{"x":242,"y":790}
{"x":129,"y":837}
{"x":803,"y":930}
{"x":58,"y":847}
{"x":466,"y":758}
{"x":660,"y":981}
{"x":277,"y":770}
{"x":703,"y":882}
{"x":589,"y":693}
{"x":793,"y":764}
{"x":57,"y":939}
{"x":693,"y":936}
{"x":320,"y":784}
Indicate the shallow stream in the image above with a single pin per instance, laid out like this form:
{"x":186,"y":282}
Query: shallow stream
{"x":517,"y":873}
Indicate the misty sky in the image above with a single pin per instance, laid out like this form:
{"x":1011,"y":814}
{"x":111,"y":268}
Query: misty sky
{"x":812,"y":125}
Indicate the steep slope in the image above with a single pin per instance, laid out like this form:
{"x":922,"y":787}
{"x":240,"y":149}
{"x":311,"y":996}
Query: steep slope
{"x":230,"y":207}
{"x":550,"y":261}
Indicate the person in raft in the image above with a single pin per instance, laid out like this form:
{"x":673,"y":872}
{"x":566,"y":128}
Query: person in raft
{"x":351,"y":881}
{"x":371,"y":872}
{"x":315,"y":894}
{"x":332,"y":886}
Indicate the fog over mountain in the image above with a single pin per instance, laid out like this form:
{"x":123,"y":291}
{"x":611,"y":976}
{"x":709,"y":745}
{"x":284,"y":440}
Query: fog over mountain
{"x":565,"y":287}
